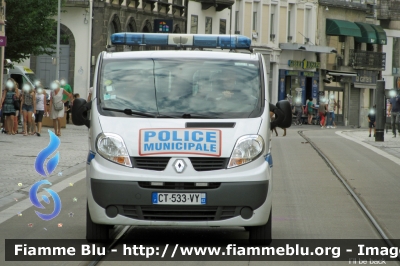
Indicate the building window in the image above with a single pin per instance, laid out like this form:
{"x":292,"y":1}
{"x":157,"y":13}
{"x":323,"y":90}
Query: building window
{"x":290,"y":24}
{"x":396,"y":56}
{"x":272,"y":23}
{"x":307,"y":32}
{"x":222,"y":26}
{"x":208,"y":29}
{"x":255,"y":21}
{"x":237,"y":22}
{"x":289,"y":33}
{"x":271,"y":78}
{"x":177,"y":2}
{"x":193,"y":24}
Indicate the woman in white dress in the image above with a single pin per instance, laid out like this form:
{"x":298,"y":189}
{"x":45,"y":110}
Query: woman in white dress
{"x":57,"y":105}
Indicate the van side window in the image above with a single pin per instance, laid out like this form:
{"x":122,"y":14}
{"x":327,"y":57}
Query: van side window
{"x":18,"y":79}
{"x":25,"y":81}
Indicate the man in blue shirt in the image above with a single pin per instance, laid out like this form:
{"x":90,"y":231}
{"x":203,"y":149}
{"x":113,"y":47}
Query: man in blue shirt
{"x":394,"y":111}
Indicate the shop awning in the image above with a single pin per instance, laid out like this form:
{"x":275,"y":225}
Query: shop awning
{"x":368,"y":33}
{"x":380,"y":33}
{"x":338,"y":27}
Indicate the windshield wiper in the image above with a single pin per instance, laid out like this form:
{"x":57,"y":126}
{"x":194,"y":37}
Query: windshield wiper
{"x":135,"y":112}
{"x":130,"y":112}
{"x":197,"y":116}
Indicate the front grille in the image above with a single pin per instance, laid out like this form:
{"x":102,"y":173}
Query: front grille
{"x":130,"y":211}
{"x":179,"y":185}
{"x":179,"y":213}
{"x":208,"y":164}
{"x":199,"y":163}
{"x":150,"y":163}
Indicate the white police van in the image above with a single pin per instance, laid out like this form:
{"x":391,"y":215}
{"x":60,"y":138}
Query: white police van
{"x":180,"y":137}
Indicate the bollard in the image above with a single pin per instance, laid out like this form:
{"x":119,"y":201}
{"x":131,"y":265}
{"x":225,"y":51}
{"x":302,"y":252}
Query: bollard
{"x":380,"y":110}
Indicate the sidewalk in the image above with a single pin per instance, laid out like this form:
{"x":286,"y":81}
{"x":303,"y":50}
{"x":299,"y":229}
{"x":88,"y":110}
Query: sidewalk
{"x":390,"y":145}
{"x":18,"y":154}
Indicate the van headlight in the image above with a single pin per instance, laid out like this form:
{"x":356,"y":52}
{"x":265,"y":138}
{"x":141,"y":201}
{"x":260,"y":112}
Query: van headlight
{"x":247,"y":149}
{"x":112,"y":147}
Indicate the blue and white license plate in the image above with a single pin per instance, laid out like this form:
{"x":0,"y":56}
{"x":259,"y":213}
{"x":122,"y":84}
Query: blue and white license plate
{"x":179,"y":198}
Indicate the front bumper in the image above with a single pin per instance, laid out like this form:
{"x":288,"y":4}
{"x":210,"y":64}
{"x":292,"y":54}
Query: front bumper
{"x":117,"y":198}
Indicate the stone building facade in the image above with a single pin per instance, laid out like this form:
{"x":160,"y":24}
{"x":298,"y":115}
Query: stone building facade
{"x":350,"y":74}
{"x":108,"y":17}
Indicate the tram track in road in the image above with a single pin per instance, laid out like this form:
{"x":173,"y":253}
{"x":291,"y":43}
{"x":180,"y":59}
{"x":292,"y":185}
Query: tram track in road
{"x":122,"y":230}
{"x":359,"y":202}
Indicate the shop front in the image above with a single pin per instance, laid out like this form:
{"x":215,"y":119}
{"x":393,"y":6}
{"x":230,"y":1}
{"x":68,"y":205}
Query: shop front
{"x":299,"y":83}
{"x":299,"y":67}
{"x":365,"y":85}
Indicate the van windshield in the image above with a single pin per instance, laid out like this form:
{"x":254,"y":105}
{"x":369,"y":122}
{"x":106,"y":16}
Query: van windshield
{"x":32,"y":78}
{"x":189,"y":88}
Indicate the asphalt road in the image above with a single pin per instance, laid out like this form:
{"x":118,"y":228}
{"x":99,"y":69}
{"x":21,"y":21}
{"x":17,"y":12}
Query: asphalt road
{"x":309,"y":202}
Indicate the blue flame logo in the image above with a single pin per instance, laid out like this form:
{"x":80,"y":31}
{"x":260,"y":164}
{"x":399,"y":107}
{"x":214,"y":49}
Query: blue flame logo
{"x":45,"y":153}
{"x":35,"y":201}
{"x":51,"y":166}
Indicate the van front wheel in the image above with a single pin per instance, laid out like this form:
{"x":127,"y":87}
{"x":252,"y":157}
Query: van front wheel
{"x":95,"y":232}
{"x":262,"y":233}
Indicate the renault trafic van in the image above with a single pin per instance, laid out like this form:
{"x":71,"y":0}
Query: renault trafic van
{"x":22,"y":75}
{"x":180,"y":137}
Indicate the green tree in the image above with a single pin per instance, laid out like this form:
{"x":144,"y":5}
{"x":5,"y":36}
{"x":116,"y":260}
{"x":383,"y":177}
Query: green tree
{"x":30,"y":28}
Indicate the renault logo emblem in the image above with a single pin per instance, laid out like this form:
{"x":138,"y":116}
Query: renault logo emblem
{"x":179,"y":165}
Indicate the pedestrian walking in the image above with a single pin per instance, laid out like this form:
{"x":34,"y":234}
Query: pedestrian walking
{"x":3,"y":117}
{"x":394,"y":111}
{"x":38,"y":84}
{"x":57,"y":106}
{"x":76,"y":96}
{"x":322,"y":112}
{"x":41,"y":109}
{"x":28,"y":108}
{"x":9,"y":98}
{"x":372,"y":121}
{"x":64,"y":85}
{"x":310,"y":110}
{"x":331,"y":112}
{"x":298,"y":110}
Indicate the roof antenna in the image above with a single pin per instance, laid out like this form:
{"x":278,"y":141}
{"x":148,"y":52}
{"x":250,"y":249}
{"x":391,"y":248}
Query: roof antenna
{"x":230,"y":29}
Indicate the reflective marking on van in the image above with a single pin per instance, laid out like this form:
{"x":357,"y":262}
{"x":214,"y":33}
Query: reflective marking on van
{"x":268,"y":159}
{"x":180,"y":141}
{"x":90,"y":157}
{"x":28,"y":70}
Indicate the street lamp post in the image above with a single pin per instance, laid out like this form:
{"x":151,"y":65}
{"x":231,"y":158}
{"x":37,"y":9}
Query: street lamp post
{"x":58,"y":42}
{"x":89,"y":43}
{"x":380,"y":110}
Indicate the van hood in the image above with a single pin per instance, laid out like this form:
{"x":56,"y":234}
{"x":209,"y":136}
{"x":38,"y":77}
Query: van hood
{"x":179,"y":137}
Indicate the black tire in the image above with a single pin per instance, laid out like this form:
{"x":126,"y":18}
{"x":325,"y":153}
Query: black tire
{"x":263,"y":233}
{"x":96,"y":232}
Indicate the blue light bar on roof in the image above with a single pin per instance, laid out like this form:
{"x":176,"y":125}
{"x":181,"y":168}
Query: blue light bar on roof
{"x":182,"y":40}
{"x":206,"y":41}
{"x":155,"y":39}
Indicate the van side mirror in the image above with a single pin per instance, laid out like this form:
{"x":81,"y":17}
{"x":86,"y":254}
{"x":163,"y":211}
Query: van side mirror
{"x":283,"y":114}
{"x":79,"y":112}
